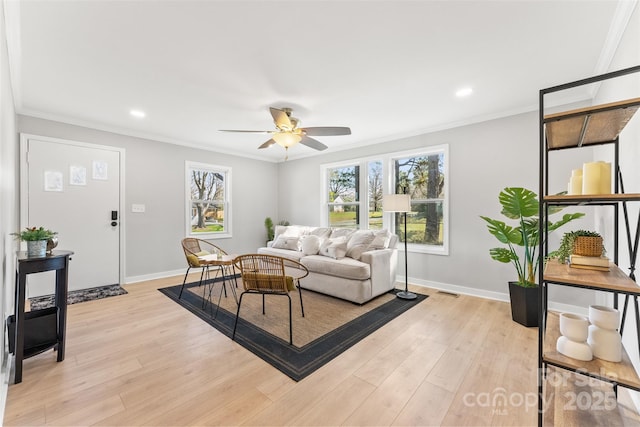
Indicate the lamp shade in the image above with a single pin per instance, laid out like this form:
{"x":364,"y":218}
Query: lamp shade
{"x":286,"y":139}
{"x":396,"y":203}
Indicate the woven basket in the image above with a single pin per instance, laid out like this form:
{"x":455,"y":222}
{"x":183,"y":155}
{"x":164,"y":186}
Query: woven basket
{"x":588,"y":246}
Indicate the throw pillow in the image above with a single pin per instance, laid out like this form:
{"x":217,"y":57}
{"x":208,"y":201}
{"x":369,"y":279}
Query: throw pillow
{"x":324,"y":247}
{"x":337,"y":250}
{"x":278,"y":231}
{"x":359,"y":243}
{"x":380,"y":240}
{"x":310,"y":245}
{"x":285,"y":242}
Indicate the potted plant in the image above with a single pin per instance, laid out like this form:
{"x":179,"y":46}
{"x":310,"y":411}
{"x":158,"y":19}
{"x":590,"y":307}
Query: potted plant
{"x":36,"y":238}
{"x":571,"y":243}
{"x":268,"y":224}
{"x":522,"y":205}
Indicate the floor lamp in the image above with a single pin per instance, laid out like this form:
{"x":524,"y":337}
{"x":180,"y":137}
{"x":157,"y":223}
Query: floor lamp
{"x":400,"y":203}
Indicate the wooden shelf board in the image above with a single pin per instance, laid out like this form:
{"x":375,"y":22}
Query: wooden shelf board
{"x":578,"y":401}
{"x":622,"y":373}
{"x":592,"y":198}
{"x":588,"y":126}
{"x":614,"y":280}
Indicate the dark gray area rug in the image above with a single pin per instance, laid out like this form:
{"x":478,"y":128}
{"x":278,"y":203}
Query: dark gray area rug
{"x":82,"y":295}
{"x":296,"y":362}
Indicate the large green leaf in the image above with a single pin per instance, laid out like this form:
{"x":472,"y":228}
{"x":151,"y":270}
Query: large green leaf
{"x":502,"y":255}
{"x":503,"y":232}
{"x":518,"y":202}
{"x":565,"y":219}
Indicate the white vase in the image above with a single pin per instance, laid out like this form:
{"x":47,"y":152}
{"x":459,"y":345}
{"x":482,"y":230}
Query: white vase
{"x":604,"y":317}
{"x":36,"y":248}
{"x":574,"y":327}
{"x":574,"y":349}
{"x":606,"y":344}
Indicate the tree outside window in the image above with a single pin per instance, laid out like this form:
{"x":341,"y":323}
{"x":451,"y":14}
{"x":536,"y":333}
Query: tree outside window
{"x":375,"y":194}
{"x":208,"y":199}
{"x":423,"y":177}
{"x":344,"y":196}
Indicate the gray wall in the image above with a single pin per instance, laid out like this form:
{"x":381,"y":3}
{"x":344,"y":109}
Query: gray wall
{"x":484,"y":158}
{"x":155,"y":177}
{"x":628,"y":55}
{"x":8,"y":200}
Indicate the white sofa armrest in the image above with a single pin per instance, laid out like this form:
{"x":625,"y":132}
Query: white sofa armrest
{"x":383,"y":264}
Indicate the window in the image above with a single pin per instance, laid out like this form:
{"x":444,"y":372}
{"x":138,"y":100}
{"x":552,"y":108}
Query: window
{"x":374,"y":192}
{"x":344,"y":196}
{"x":423,"y":176}
{"x":353,"y":196}
{"x":208,"y":202}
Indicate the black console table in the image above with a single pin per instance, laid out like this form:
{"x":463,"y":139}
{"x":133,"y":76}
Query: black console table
{"x":39,"y":330}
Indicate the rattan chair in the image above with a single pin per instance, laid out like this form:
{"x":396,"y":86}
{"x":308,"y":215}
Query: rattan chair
{"x":270,"y":275}
{"x":194,"y":248}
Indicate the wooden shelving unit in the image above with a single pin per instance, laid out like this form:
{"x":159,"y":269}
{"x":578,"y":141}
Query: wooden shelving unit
{"x":589,"y":126}
{"x":573,"y":129}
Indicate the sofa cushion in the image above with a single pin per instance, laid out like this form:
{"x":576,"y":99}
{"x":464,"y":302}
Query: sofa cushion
{"x":346,"y":267}
{"x":310,"y":245}
{"x":321,"y":232}
{"x":341,"y":232}
{"x":358,"y":243}
{"x":284,"y":253}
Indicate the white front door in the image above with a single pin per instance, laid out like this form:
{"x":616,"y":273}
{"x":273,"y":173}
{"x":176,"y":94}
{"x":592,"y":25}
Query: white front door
{"x":74,"y":189}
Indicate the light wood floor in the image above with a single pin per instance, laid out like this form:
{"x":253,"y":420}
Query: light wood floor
{"x":140,"y":359}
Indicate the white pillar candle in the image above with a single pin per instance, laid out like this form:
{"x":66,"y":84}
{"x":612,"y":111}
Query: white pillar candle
{"x":605,"y":178}
{"x":591,"y":178}
{"x":575,"y":185}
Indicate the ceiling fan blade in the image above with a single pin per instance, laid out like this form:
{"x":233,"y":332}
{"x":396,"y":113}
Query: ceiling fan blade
{"x":327,"y":131}
{"x":267,"y":144}
{"x":245,"y":131}
{"x":312,"y":143}
{"x":281,"y":118}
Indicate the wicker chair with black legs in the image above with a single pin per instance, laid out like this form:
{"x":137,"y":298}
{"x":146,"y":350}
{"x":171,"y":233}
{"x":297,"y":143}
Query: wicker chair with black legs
{"x":193,"y":249}
{"x":270,"y":275}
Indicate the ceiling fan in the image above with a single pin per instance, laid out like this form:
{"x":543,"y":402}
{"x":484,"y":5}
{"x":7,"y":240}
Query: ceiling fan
{"x":288,"y":133}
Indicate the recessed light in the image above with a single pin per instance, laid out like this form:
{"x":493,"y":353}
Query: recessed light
{"x":137,"y":113}
{"x":465,"y":91}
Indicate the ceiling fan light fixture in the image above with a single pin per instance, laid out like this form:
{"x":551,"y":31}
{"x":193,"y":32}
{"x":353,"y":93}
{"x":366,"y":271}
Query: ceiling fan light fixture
{"x":286,"y":139}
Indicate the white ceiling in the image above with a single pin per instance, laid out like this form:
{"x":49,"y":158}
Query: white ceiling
{"x":387,"y":69}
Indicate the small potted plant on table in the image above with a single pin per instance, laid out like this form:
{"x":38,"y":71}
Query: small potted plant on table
{"x":36,"y":238}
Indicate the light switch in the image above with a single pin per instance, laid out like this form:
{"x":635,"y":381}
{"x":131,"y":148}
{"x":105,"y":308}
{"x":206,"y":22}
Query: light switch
{"x":138,"y":208}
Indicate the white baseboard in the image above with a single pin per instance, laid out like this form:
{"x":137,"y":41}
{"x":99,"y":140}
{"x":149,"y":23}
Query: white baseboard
{"x":481,"y":293}
{"x":159,"y":275}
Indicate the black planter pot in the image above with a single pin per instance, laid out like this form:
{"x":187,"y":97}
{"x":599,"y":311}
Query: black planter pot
{"x":524,"y":304}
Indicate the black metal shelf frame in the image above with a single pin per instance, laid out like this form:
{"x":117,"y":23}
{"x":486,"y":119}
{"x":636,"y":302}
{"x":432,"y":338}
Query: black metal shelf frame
{"x":544,"y":214}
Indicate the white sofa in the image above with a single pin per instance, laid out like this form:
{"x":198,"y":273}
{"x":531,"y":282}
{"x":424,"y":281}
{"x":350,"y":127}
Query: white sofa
{"x":355,"y":265}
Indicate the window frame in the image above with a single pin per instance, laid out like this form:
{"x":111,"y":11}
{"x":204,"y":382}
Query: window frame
{"x":227,"y":206}
{"x":423,"y":152}
{"x":388,"y":187}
